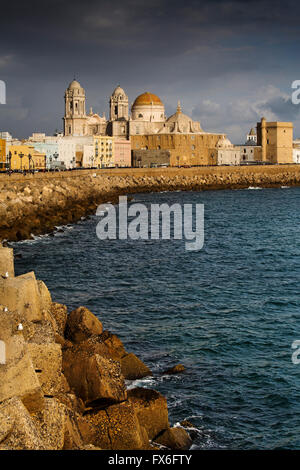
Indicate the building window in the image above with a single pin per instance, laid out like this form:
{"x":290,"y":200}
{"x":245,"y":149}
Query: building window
{"x":193,"y":147}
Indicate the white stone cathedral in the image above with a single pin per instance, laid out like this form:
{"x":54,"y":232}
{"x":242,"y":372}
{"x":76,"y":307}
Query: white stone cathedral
{"x":147,"y":116}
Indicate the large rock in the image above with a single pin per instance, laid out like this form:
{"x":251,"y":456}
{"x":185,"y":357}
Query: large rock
{"x":71,"y":402}
{"x":60,"y":313}
{"x":94,"y":378}
{"x":72,"y":436}
{"x":106,"y":345}
{"x":50,"y":424}
{"x":175,"y":370}
{"x":23,"y":434}
{"x":6,"y":262}
{"x":18,"y":377}
{"x":21,"y":294}
{"x":43,"y":332}
{"x":133,"y":368}
{"x":45,"y":296}
{"x":175,"y":438}
{"x":47,"y":361}
{"x":117,"y":428}
{"x":151,"y":409}
{"x":81,"y":324}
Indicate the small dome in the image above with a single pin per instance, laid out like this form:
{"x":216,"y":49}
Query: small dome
{"x":74,"y":84}
{"x":180,"y":118}
{"x":224,"y":142}
{"x":252,"y":131}
{"x":147,"y":99}
{"x":118,"y":91}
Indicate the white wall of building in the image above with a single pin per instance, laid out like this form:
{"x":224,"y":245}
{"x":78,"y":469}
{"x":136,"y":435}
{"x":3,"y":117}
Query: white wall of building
{"x":296,"y":155}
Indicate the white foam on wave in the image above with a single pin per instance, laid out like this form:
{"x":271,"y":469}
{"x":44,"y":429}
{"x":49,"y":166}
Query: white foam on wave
{"x":253,"y":187}
{"x":145,"y":382}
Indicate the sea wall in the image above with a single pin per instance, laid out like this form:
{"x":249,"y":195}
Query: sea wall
{"x":35,"y":204}
{"x":62,"y":378}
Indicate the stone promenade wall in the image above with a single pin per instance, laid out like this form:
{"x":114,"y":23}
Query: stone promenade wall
{"x":34,"y":204}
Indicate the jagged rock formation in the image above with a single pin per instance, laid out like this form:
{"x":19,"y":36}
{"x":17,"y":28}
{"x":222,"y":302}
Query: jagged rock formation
{"x":62,"y":378}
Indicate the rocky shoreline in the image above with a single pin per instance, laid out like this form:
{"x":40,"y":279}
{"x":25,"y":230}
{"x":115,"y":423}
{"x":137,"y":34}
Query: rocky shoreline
{"x":62,"y":384}
{"x":35,"y":205}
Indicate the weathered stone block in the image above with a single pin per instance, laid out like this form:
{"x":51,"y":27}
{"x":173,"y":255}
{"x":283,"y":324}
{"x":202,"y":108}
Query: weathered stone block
{"x":21,"y":294}
{"x":151,"y":409}
{"x":23,"y":435}
{"x":81,"y":324}
{"x":117,"y":428}
{"x":60,"y":314}
{"x":94,"y":377}
{"x":7,"y":262}
{"x":50,"y":424}
{"x":106,"y":345}
{"x":133,"y":368}
{"x":45,"y":296}
{"x":17,"y":375}
{"x":175,"y":438}
{"x":47,"y":362}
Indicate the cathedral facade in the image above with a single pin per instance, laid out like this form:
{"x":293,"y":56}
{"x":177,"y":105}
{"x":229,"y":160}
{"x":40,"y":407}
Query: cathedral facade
{"x":146,"y":117}
{"x":146,"y":125}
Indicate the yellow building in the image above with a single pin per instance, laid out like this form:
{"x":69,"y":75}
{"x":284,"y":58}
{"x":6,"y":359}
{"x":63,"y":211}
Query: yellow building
{"x":184,"y":139}
{"x":276,"y":141}
{"x":185,"y":149}
{"x":25,"y":157}
{"x":2,"y":154}
{"x":104,"y":151}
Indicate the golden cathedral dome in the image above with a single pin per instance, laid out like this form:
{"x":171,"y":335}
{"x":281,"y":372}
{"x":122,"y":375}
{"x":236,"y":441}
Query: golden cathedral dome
{"x":147,"y":99}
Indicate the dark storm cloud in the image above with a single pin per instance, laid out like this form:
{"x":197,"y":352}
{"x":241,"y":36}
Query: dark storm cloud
{"x":174,"y":48}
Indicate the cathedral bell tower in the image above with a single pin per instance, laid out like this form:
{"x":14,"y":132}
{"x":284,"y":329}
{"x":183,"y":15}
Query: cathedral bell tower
{"x":118,"y":105}
{"x":75,"y":116}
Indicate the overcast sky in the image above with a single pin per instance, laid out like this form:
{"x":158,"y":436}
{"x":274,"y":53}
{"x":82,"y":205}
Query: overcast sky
{"x":228,"y":62}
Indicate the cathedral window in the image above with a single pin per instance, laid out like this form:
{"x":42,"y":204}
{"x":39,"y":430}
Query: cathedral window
{"x":140,"y":115}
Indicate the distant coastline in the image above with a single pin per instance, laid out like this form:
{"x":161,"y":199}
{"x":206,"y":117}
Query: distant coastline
{"x":36,"y":204}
